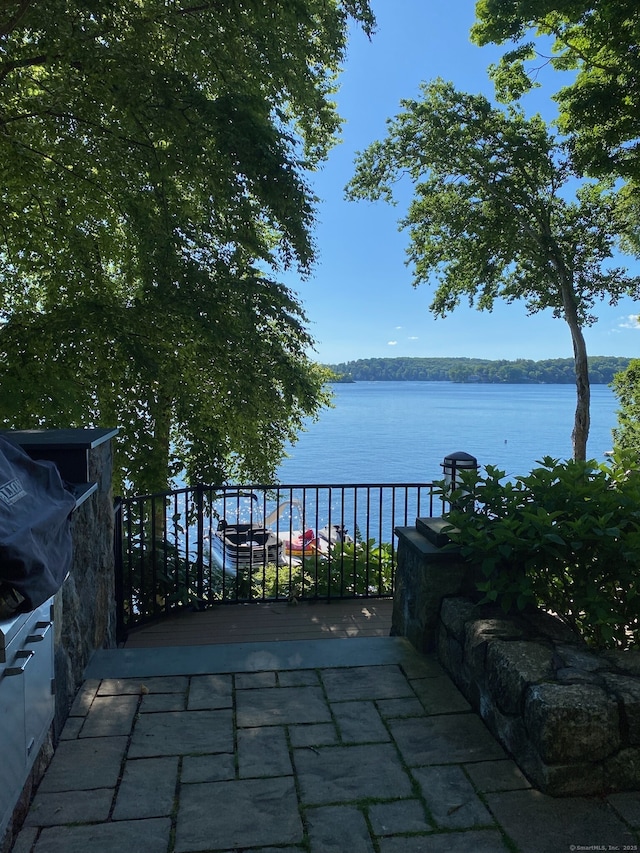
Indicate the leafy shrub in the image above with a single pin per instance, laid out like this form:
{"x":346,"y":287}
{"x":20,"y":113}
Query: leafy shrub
{"x":157,"y":578}
{"x":357,"y":568}
{"x":565,"y":537}
{"x":351,"y":568}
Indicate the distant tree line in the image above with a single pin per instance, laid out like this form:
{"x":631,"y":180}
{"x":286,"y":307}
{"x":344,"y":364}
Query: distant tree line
{"x":557,"y":371}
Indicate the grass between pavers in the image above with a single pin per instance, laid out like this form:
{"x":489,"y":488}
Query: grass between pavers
{"x":365,"y":804}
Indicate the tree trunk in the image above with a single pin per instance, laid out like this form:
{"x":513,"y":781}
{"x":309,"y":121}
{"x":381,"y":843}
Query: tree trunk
{"x":581,"y":422}
{"x":158,"y":468}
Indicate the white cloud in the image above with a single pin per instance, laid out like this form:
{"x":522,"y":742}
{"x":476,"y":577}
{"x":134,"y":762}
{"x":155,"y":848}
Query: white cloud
{"x":631,"y":321}
{"x":414,"y":338}
{"x":398,"y":328}
{"x":392,"y":343}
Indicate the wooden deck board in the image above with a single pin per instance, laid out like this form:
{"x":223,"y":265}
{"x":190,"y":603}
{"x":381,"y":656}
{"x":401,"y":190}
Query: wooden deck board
{"x":268,"y":622}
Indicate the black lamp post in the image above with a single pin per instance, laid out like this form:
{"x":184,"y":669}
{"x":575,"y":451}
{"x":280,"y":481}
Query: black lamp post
{"x":453,"y":465}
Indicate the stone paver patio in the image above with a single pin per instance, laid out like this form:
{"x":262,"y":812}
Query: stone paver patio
{"x":341,"y":746}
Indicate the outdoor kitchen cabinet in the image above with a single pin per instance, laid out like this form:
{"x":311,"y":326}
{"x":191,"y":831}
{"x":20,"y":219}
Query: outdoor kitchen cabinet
{"x":26,"y":699}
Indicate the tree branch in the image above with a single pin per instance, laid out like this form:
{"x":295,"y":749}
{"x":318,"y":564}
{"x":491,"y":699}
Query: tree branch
{"x":27,"y":62}
{"x":12,"y":23}
{"x":583,"y":57}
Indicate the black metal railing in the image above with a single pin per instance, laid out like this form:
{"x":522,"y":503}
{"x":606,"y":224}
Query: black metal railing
{"x":205,"y":545}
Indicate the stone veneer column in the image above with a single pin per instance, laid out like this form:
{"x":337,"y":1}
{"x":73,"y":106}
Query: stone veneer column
{"x":84,"y":608}
{"x":426,"y":572}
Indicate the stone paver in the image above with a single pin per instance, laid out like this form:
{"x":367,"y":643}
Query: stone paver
{"x":627,"y":805}
{"x":489,"y":841}
{"x":134,"y":836}
{"x":80,"y":765}
{"x":263,"y":752}
{"x":336,"y":829}
{"x":155,"y":684}
{"x":451,"y":798}
{"x":399,"y":817}
{"x":165,"y":684}
{"x":123,"y":686}
{"x":238,"y":814}
{"x":335,"y":774}
{"x":72,"y":728}
{"x":25,"y":840}
{"x":360,"y":722}
{"x":314,"y":734}
{"x":251,"y":680}
{"x":541,"y":824}
{"x":154,"y":702}
{"x":208,"y":768}
{"x":503,"y":775}
{"x":407,"y":706}
{"x":439,"y":696}
{"x":365,"y":682}
{"x":110,"y":715}
{"x":182,"y":733}
{"x":355,"y":758}
{"x":70,"y":807}
{"x":148,"y":788}
{"x":275,"y":706}
{"x":420,"y":666}
{"x":444,"y":739}
{"x":298,"y":678}
{"x":288,"y":849}
{"x":84,"y":697}
{"x":210,"y":692}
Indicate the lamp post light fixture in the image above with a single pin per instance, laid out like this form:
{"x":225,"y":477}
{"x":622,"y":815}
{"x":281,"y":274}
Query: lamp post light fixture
{"x":453,"y":465}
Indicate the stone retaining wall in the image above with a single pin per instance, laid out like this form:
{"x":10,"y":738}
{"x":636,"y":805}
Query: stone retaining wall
{"x":569,"y":717}
{"x":84,"y":608}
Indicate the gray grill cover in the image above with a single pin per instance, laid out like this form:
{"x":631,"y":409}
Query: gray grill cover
{"x":35,"y":526}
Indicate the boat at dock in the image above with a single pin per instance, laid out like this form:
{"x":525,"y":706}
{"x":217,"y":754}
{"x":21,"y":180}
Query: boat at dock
{"x":298,"y":540}
{"x":309,"y":542}
{"x":242,"y":540}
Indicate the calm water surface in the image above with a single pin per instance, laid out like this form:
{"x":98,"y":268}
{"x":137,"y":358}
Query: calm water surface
{"x":387,"y":432}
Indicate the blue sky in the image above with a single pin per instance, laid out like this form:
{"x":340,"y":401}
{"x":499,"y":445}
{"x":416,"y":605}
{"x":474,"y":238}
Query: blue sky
{"x":360,"y":301}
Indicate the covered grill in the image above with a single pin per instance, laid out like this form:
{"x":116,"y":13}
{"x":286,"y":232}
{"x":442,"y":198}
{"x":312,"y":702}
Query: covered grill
{"x":35,"y":530}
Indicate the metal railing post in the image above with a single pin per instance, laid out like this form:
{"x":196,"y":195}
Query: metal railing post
{"x":121,"y":631}
{"x":200,"y":541}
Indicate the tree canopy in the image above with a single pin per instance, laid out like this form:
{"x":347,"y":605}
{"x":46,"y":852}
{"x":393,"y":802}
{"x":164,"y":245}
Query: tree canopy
{"x":626,"y":386}
{"x":599,"y":40}
{"x":152,"y":186}
{"x":496,"y":213}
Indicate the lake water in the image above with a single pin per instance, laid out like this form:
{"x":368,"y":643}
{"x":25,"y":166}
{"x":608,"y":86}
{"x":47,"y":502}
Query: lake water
{"x":386,"y":432}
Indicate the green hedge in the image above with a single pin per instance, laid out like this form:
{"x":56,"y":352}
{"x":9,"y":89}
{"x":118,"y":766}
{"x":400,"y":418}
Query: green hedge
{"x":565,"y":537}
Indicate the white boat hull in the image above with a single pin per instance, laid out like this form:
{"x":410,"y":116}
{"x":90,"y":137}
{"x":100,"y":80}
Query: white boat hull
{"x":238,"y":550}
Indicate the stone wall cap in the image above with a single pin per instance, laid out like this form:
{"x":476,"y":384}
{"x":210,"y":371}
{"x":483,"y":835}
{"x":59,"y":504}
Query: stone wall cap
{"x":420,"y":543}
{"x":60,"y":439}
{"x":434,"y":528}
